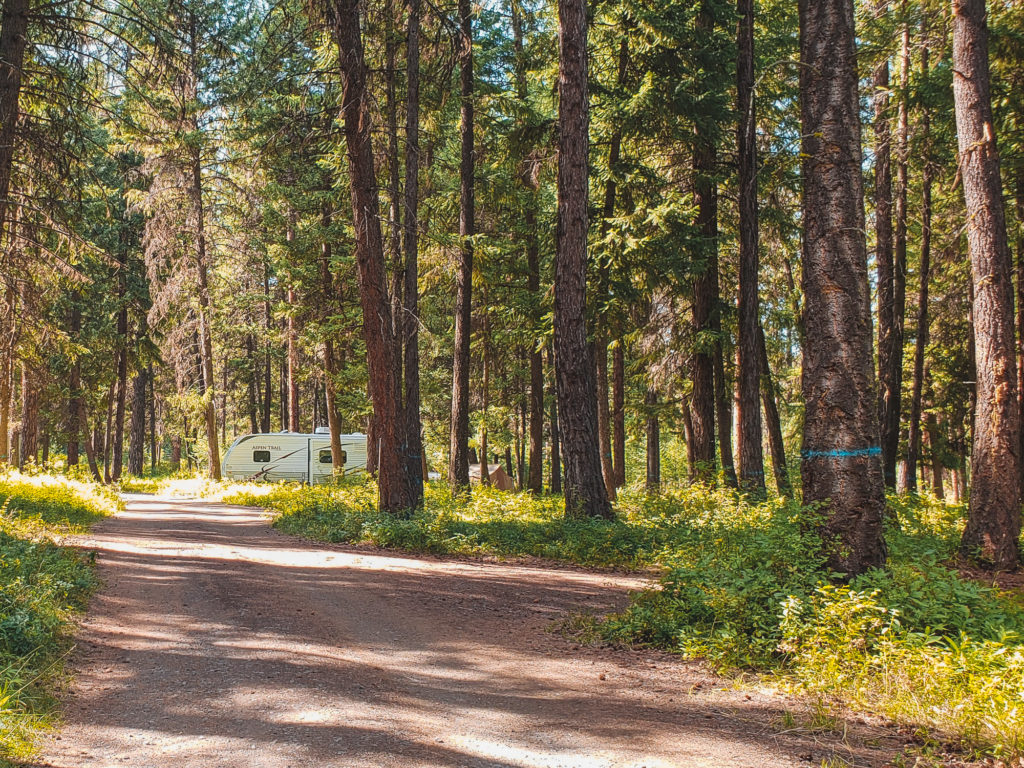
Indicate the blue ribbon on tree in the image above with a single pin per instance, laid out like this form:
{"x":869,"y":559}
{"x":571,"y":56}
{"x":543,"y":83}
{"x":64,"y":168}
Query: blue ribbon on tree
{"x":874,"y":450}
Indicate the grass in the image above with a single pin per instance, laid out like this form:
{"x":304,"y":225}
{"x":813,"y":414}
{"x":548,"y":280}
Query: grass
{"x":42,"y":587}
{"x":743,"y":586}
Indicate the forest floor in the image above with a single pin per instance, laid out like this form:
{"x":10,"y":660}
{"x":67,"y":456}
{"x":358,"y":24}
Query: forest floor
{"x":217,"y":641}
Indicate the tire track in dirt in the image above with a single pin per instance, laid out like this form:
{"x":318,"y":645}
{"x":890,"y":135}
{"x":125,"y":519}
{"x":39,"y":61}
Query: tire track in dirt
{"x":217,"y":641}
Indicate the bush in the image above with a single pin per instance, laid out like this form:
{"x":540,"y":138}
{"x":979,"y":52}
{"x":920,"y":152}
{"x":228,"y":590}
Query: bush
{"x":42,"y":586}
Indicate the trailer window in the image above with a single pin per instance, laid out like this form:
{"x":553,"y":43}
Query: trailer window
{"x":261,"y":457}
{"x":325,"y":456}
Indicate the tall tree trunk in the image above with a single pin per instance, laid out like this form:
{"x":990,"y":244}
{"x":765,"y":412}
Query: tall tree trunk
{"x":202,"y":270}
{"x":601,"y":323}
{"x":536,"y":481}
{"x":415,"y":455}
{"x":90,"y":446}
{"x":106,"y":441}
{"x":603,"y":411}
{"x":619,"y":411}
{"x":1019,"y":204}
{"x":891,"y":430}
{"x":253,"y":404}
{"x":935,"y":444}
{"x":13,"y":39}
{"x":585,"y":492}
{"x":888,"y":394}
{"x":485,"y":472}
{"x":842,"y":467}
{"x":29,"y":416}
{"x":703,"y":397}
{"x":137,"y":427}
{"x":924,"y":275}
{"x":154,"y":458}
{"x":7,"y":388}
{"x":205,"y":332}
{"x":751,"y":469}
{"x":653,"y":441}
{"x":993,"y":516}
{"x":268,"y":372}
{"x":705,"y":292}
{"x":394,"y":489}
{"x":556,"y":443}
{"x":772,"y":421}
{"x":292,"y":360}
{"x":74,"y":385}
{"x":458,"y":466}
{"x":117,"y":461}
{"x":536,"y":478}
{"x":394,"y":194}
{"x":723,"y":410}
{"x":330,"y":359}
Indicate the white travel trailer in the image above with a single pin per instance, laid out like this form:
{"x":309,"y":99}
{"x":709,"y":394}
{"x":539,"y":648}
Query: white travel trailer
{"x":292,"y":456}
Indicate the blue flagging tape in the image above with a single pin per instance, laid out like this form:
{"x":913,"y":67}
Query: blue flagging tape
{"x":874,"y":450}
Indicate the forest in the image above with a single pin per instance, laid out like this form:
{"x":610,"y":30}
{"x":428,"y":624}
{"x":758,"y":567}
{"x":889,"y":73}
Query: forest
{"x":738,"y":279}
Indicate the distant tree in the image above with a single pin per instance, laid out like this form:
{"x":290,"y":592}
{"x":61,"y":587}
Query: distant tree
{"x":458,"y":459}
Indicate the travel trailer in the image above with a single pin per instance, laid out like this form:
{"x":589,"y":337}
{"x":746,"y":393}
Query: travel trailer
{"x":292,"y":456}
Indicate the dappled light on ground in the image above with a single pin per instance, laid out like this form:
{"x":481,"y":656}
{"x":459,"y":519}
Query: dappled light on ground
{"x":218,"y":641}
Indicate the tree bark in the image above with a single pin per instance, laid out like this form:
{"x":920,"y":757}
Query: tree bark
{"x":556,"y":444}
{"x":458,"y":466}
{"x":772,"y":421}
{"x":841,"y":455}
{"x":268,"y":372}
{"x":705,"y":294}
{"x":253,"y":385}
{"x":619,"y":412}
{"x":29,"y":416}
{"x":74,"y":385}
{"x":106,"y":441}
{"x":6,"y":386}
{"x":1019,"y":204}
{"x":117,"y":460}
{"x":153,"y":454}
{"x":535,"y":482}
{"x":394,"y":489}
{"x":888,"y":394}
{"x":415,"y":455}
{"x":585,"y":492}
{"x":993,"y":516}
{"x":924,"y":275}
{"x":137,"y":427}
{"x":601,"y":323}
{"x":292,"y":358}
{"x":90,"y":446}
{"x":329,"y":298}
{"x":13,"y":39}
{"x":653,"y":441}
{"x":751,"y":458}
{"x":891,"y":430}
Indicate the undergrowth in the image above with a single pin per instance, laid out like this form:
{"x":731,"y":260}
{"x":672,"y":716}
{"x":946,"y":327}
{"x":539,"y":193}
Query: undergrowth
{"x":744,"y":586}
{"x":42,"y":586}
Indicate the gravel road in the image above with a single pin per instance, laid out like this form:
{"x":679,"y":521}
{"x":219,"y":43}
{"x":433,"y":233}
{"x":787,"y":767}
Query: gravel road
{"x":217,"y":641}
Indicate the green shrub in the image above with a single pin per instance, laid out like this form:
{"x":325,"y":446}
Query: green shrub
{"x":42,"y":586}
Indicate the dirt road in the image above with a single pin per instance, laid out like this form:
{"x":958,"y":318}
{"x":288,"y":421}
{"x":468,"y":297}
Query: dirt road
{"x":217,"y":641}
